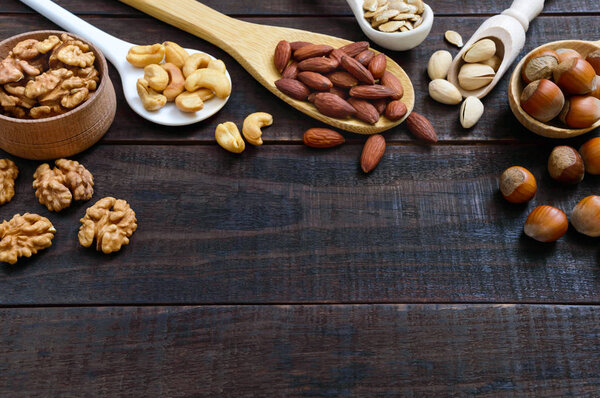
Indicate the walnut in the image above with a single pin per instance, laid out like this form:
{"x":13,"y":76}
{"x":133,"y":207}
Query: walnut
{"x":55,"y":188}
{"x":46,"y":82}
{"x":111,"y":222}
{"x":9,"y":71}
{"x":72,"y":53}
{"x":15,"y":111}
{"x":27,"y":68}
{"x":26,"y":49}
{"x":74,"y":97}
{"x":48,"y":45}
{"x":24,"y":235}
{"x":7,"y":100}
{"x":8,"y":174}
{"x":43,"y":111}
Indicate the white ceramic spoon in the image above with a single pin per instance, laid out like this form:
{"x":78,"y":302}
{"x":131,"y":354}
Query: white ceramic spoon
{"x":115,"y":50}
{"x":398,"y":41}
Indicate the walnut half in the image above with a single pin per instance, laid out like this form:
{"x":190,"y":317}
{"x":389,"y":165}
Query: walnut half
{"x":8,"y":174}
{"x":56,"y":188}
{"x":111,"y":222}
{"x":24,"y":235}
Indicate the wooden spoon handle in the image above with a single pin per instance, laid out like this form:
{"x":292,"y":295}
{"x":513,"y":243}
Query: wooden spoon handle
{"x":525,"y":11}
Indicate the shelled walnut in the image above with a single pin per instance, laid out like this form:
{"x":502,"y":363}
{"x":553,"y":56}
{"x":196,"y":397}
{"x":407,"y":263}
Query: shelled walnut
{"x":40,"y":79}
{"x":57,"y":187}
{"x":24,"y":235}
{"x":8,"y":174}
{"x":111,"y":222}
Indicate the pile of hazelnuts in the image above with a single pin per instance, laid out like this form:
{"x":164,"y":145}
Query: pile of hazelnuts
{"x":565,"y":165}
{"x":562,"y":84}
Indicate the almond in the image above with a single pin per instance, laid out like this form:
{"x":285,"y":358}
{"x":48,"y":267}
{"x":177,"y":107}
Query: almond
{"x":316,"y":81}
{"x":322,"y":138}
{"x":319,"y":64}
{"x":356,"y":69}
{"x":333,"y":106}
{"x":365,"y":111}
{"x":372,"y":92}
{"x":395,"y":110}
{"x":421,"y":128}
{"x":340,"y":92}
{"x":391,"y":81}
{"x":342,"y":79}
{"x":311,"y":97}
{"x":365,"y":57}
{"x":311,"y":51}
{"x":372,"y":152}
{"x":377,"y":66}
{"x":380,"y":105}
{"x":293,"y":88}
{"x":337,"y":54}
{"x":291,"y":71}
{"x":353,"y":49}
{"x":283,"y":53}
{"x":296,"y":45}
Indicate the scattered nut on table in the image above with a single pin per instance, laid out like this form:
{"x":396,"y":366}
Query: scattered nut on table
{"x":24,"y":235}
{"x":228,"y":137}
{"x":253,"y":125}
{"x":394,"y":15}
{"x":111,"y":222}
{"x":57,"y":187}
{"x":8,"y":175}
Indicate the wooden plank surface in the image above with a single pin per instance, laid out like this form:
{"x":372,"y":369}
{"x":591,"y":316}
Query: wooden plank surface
{"x":284,"y":223}
{"x":316,"y":351}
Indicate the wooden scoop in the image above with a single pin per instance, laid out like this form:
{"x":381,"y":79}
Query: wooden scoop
{"x":253,"y":45}
{"x":517,"y":85}
{"x":507,"y":30}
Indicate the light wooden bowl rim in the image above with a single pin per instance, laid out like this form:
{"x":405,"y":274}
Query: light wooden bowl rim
{"x":99,"y":58}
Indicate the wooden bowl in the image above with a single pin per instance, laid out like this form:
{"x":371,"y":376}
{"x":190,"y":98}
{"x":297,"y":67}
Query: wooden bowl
{"x":516,"y":86}
{"x":63,"y":135}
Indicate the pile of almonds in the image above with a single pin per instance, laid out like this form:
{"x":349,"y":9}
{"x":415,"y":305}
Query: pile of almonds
{"x":562,"y":83}
{"x":344,"y":82}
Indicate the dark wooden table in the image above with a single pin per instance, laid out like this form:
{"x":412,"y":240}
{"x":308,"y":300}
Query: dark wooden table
{"x":287,"y":271}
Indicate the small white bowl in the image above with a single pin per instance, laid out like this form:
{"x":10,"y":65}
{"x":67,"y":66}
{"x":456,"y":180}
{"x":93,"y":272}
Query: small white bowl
{"x":397,"y":41}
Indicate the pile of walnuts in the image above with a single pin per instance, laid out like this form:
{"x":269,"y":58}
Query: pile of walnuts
{"x":46,"y":78}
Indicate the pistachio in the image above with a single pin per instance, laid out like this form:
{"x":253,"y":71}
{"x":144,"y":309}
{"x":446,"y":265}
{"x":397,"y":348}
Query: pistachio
{"x":471,"y":111}
{"x":474,"y":76}
{"x":494,"y":62}
{"x":444,"y":92}
{"x":439,"y":64}
{"x":480,"y":51}
{"x":454,"y":38}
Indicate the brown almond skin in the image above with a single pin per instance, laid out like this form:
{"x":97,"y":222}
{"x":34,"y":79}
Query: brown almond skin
{"x":377,"y":66}
{"x":388,"y":79}
{"x":356,"y":69}
{"x":293,"y":88}
{"x":337,"y":54}
{"x":333,"y":106}
{"x":340,"y":92}
{"x":282,"y":56}
{"x":380,"y":105}
{"x":322,"y":138}
{"x":342,"y":79}
{"x":372,"y":92}
{"x":311,"y":97}
{"x":296,"y":45}
{"x":365,"y":57}
{"x":421,"y":128}
{"x":291,"y":71}
{"x":353,"y":49}
{"x":318,"y":64}
{"x":372,"y":152}
{"x":395,"y":110}
{"x":316,"y":81}
{"x":365,"y":111}
{"x":311,"y":51}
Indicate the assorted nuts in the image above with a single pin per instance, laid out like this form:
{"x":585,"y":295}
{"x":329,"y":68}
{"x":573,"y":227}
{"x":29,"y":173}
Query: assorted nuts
{"x":394,"y":15}
{"x":40,"y":79}
{"x":187,"y":80}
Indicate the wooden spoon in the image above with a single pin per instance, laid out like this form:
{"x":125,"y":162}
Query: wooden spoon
{"x":252,"y":45}
{"x":516,"y":88}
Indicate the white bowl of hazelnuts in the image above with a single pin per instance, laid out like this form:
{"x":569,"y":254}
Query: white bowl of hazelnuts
{"x":56,"y":98}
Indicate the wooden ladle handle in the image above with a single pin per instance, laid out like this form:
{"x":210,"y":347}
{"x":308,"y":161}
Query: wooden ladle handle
{"x":525,"y":11}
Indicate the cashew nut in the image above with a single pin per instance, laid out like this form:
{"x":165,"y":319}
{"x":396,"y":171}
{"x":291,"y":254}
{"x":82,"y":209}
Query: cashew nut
{"x":189,"y":102}
{"x":141,"y":56}
{"x":209,"y":78}
{"x":176,"y":82}
{"x":194,"y":62}
{"x":217,"y":64}
{"x":175,"y":54}
{"x":205,"y":94}
{"x":228,"y":136}
{"x":151,"y":100}
{"x":253,"y":124}
{"x":157,"y":77}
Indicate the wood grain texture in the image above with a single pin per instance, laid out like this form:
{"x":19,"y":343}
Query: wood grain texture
{"x":291,"y":224}
{"x":317,"y":351}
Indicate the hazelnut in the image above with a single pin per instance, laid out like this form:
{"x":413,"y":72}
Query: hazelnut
{"x":596,"y":87}
{"x":590,"y":153}
{"x":586,"y":216}
{"x":580,"y":112}
{"x":546,"y":224}
{"x":567,"y":53}
{"x":594,"y":60}
{"x":574,"y":76}
{"x":539,"y":65}
{"x":543,"y":100}
{"x":517,"y":185}
{"x":565,"y":165}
